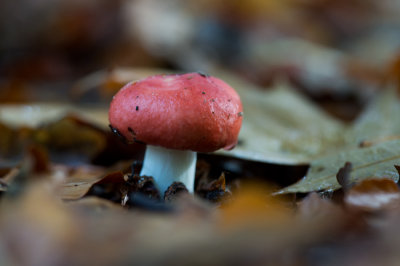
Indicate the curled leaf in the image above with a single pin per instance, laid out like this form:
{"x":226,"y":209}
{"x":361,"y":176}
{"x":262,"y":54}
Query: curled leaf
{"x":343,"y":175}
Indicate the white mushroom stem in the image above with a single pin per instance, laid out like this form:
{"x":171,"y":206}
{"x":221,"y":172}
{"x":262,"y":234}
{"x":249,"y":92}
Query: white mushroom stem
{"x":167,"y":166}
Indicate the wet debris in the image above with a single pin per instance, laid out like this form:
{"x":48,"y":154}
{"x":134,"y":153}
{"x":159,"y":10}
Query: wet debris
{"x":215,"y":190}
{"x":141,"y":200}
{"x":174,"y":191}
{"x":119,"y":187}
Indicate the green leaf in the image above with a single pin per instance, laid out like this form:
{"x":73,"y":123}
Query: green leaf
{"x":376,"y":161}
{"x":281,"y":126}
{"x":379,"y":120}
{"x":378,"y":125}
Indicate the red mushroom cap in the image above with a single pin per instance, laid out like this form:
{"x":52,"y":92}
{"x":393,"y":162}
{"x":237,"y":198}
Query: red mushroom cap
{"x":185,"y":112}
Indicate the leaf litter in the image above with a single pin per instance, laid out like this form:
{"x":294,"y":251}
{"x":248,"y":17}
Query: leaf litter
{"x":298,"y":132}
{"x":231,"y":220}
{"x":372,"y":147}
{"x":376,"y":161}
{"x":290,"y":133}
{"x":69,"y":196}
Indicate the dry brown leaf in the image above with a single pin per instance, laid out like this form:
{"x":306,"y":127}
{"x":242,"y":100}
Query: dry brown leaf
{"x":78,"y":183}
{"x":255,"y":228}
{"x":321,"y":214}
{"x":71,"y":133}
{"x":314,"y":206}
{"x":253,"y":206}
{"x":373,"y":195}
{"x":94,"y":204}
{"x":37,"y":114}
{"x":40,"y":159}
{"x":42,"y":240}
{"x":7,"y":176}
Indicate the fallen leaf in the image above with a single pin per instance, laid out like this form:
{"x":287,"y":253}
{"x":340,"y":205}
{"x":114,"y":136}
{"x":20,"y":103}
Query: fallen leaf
{"x":94,"y":204}
{"x":280,"y":126}
{"x":380,"y":121}
{"x":78,"y":183}
{"x":322,"y":213}
{"x":40,"y":159}
{"x":372,"y":195}
{"x":253,"y":206}
{"x":111,"y":186}
{"x":370,"y":144}
{"x":7,"y":176}
{"x":377,"y":161}
{"x":42,"y":234}
{"x":37,"y":114}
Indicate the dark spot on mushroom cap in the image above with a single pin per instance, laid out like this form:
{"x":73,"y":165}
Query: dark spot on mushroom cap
{"x":203,"y":92}
{"x":137,"y":108}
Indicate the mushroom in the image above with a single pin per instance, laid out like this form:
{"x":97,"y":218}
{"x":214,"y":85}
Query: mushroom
{"x":176,"y":116}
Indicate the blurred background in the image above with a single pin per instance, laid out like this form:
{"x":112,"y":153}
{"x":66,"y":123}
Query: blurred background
{"x":71,"y":54}
{"x":332,"y":50}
